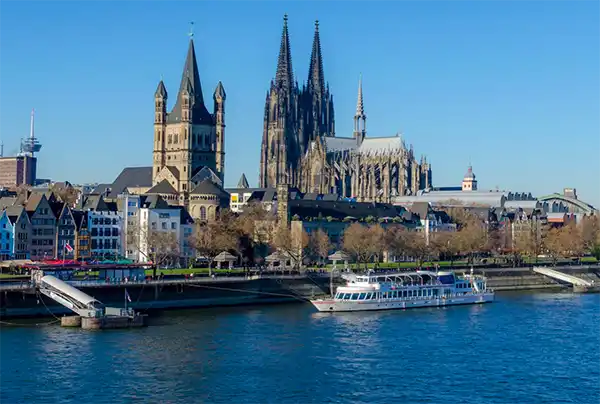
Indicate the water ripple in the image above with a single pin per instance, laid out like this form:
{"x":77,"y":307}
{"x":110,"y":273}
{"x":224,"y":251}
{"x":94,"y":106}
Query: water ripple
{"x":525,"y":348}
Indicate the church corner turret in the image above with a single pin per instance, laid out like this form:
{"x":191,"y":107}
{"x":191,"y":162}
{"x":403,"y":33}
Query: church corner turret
{"x":219,"y":98}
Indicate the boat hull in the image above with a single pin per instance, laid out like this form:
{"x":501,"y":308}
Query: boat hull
{"x":331,"y":305}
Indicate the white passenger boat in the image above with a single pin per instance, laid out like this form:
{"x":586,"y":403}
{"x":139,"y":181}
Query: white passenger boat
{"x":406,"y":290}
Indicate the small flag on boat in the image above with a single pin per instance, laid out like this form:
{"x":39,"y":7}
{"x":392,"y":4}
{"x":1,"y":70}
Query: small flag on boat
{"x":68,"y":247}
{"x":127,"y":296}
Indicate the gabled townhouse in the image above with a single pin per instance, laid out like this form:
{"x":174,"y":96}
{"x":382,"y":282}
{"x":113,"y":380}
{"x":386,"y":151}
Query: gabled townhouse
{"x":21,"y":232}
{"x":82,"y":244}
{"x":43,"y":227}
{"x":6,"y":237}
{"x":65,"y":234}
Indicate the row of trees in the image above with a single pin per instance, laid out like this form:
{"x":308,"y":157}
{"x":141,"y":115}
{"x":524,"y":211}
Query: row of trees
{"x":252,"y":234}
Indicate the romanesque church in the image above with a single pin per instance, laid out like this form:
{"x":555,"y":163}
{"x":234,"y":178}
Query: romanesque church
{"x":188,"y":141}
{"x":300,"y":147}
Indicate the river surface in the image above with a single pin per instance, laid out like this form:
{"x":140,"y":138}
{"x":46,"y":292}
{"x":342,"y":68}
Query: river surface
{"x":524,"y":348}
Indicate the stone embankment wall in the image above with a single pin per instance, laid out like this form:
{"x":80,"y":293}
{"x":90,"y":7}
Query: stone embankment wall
{"x":525,"y":279}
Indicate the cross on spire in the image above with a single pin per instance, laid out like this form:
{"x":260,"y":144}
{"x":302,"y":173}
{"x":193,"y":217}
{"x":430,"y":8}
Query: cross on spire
{"x":191,"y":33}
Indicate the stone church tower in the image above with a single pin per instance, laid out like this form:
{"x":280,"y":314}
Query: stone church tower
{"x":293,"y":118}
{"x":189,"y":138}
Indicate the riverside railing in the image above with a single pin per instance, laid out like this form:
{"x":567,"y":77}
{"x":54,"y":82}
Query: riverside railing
{"x":26,"y":285}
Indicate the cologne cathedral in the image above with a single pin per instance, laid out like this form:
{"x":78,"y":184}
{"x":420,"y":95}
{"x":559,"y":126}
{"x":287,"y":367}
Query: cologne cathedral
{"x":300,"y":148}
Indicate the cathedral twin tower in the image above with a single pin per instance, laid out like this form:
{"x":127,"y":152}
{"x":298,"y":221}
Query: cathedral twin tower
{"x":294,"y":117}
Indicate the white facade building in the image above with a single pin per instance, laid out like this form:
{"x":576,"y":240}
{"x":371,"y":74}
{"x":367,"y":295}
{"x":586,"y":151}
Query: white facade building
{"x":143,"y":216}
{"x":156,"y":220}
{"x":128,"y":210}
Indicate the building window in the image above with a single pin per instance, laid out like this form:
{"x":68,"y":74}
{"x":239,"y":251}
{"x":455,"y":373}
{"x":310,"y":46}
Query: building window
{"x":164,"y":226}
{"x":202,"y":213}
{"x":173,"y":225}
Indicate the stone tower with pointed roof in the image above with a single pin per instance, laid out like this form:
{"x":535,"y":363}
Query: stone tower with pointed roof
{"x":294,"y":117}
{"x":189,"y":138}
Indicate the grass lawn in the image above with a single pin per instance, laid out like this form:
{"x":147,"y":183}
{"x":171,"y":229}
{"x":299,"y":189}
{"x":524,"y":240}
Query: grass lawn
{"x":11,"y":276}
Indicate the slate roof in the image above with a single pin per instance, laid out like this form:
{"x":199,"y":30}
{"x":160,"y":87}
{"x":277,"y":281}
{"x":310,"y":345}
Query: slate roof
{"x":95,"y":203}
{"x":208,"y":187}
{"x":131,"y":177}
{"x":33,"y":202}
{"x":220,"y":91}
{"x":13,"y":213}
{"x":80,"y":219}
{"x":369,"y":144}
{"x":163,"y":187}
{"x":381,"y":144}
{"x":7,"y":201}
{"x":420,"y":208}
{"x":190,"y":81}
{"x":342,"y":209}
{"x":153,"y":202}
{"x":205,"y":173}
{"x":243,"y":182}
{"x":174,"y":171}
{"x":184,"y":215}
{"x":101,"y":189}
{"x":57,"y":208}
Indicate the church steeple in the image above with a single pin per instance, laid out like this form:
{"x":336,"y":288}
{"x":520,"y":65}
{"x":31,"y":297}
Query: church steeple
{"x":284,"y":78}
{"x":190,"y":72}
{"x":316,"y":77}
{"x":360,"y":119}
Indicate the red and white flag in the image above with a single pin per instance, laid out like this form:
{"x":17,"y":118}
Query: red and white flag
{"x":68,"y":247}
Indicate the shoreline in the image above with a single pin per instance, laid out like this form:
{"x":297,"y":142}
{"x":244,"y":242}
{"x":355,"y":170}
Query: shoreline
{"x":209,"y":293}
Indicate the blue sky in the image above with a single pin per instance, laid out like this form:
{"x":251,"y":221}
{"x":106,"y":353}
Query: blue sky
{"x":512,"y":87}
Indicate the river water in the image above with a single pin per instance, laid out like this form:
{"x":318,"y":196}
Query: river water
{"x":524,"y":348}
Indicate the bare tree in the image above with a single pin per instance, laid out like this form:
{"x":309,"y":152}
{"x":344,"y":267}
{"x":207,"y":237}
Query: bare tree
{"x":211,"y":239}
{"x":67,"y":194}
{"x":460,"y":214}
{"x":418,"y":247}
{"x":293,"y":242}
{"x":395,"y":240}
{"x":446,"y":244}
{"x":590,"y":234}
{"x":363,"y":242}
{"x":255,"y":227}
{"x":320,"y":245}
{"x":472,"y":238}
{"x":158,"y":247}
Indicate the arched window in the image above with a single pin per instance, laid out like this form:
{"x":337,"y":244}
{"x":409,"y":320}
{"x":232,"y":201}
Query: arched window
{"x":202,"y":213}
{"x":170,"y":139}
{"x":176,"y":138}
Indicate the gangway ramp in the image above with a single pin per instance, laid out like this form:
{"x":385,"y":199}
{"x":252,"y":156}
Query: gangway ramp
{"x":552,"y":273}
{"x":70,"y":297}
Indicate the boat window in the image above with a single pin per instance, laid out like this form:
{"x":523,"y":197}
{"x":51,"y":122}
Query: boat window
{"x":361,"y":296}
{"x":354,"y":296}
{"x":435,"y":292}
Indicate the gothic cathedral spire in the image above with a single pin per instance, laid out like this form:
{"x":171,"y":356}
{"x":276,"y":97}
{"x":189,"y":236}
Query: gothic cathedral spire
{"x":360,"y":119}
{"x":316,"y":77}
{"x":284,"y":77}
